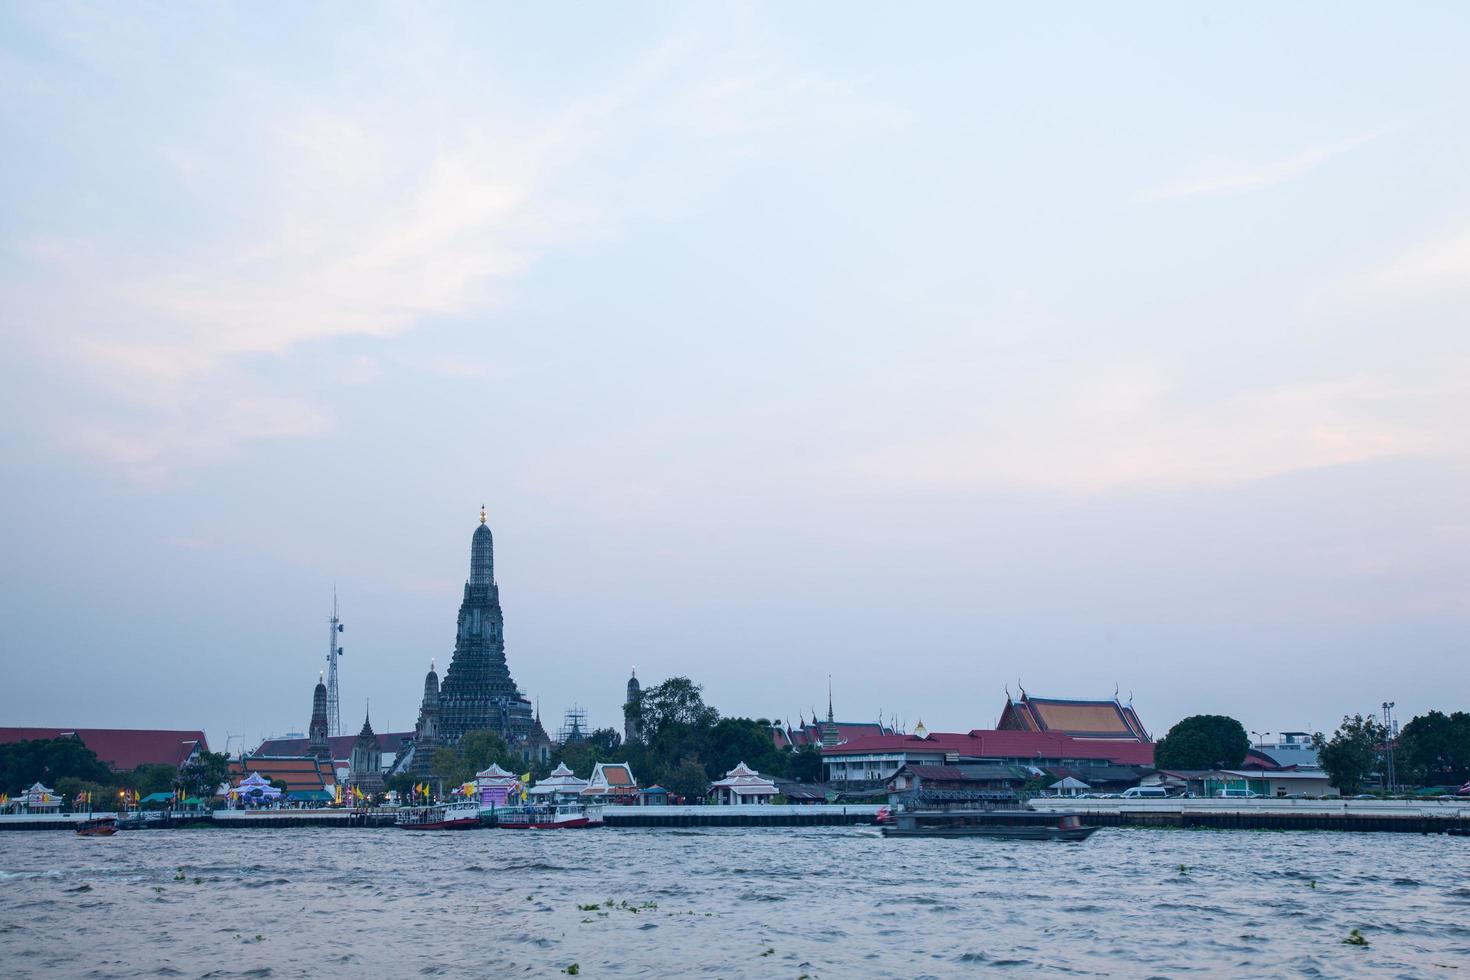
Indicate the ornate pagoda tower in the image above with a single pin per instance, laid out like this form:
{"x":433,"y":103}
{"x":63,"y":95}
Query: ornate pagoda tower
{"x":317,"y":744}
{"x":478,"y":692}
{"x":630,"y":708}
{"x":365,"y":767}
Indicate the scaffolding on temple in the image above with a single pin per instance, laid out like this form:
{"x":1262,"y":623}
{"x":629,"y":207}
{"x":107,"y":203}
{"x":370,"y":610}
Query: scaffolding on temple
{"x":573,"y":726}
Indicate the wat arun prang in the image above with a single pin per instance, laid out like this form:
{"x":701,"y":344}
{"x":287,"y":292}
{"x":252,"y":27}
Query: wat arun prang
{"x":478,"y":692}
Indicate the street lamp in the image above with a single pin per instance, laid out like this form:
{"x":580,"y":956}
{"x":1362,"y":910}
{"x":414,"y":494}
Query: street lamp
{"x":1260,"y":739}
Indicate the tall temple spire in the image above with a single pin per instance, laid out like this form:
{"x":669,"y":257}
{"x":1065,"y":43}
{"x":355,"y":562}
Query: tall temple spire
{"x":482,"y":554}
{"x":476,"y":692}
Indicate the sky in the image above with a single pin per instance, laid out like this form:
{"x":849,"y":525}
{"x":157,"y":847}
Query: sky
{"x":940,"y":350}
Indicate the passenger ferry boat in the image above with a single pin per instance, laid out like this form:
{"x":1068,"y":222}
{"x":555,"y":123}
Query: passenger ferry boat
{"x":548,"y":816}
{"x":464,"y":815}
{"x":1019,"y":824}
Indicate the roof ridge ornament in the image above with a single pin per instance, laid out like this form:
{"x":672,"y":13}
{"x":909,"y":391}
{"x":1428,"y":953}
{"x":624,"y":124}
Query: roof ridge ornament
{"x":482,"y":513}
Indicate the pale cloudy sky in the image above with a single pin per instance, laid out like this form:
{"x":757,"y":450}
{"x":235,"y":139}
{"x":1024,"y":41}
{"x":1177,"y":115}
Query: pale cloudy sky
{"x":930,"y":348}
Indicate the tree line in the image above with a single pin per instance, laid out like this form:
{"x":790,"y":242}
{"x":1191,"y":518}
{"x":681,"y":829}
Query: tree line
{"x":70,"y":768}
{"x":678,"y":742}
{"x":1432,"y":750}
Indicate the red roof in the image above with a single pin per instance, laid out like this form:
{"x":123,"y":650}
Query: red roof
{"x":984,"y":744}
{"x":340,"y":745}
{"x":296,"y":773}
{"x":122,"y":748}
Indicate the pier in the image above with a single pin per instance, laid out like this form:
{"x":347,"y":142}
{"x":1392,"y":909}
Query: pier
{"x":748,"y":815}
{"x":1354,"y":816}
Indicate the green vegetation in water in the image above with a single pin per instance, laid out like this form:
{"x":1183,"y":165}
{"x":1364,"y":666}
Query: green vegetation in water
{"x":770,"y":951}
{"x":1312,"y":883}
{"x":1184,"y":869}
{"x":1356,"y":938}
{"x":573,"y":970}
{"x":589,"y":908}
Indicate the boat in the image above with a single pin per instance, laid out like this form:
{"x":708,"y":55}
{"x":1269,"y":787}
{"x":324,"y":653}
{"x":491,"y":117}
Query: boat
{"x":462,"y":815}
{"x":1016,"y":824}
{"x":97,"y":827}
{"x":548,"y":816}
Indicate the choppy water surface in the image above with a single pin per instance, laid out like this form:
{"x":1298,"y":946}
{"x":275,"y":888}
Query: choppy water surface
{"x":839,"y":902}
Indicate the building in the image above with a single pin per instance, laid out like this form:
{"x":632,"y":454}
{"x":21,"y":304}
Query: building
{"x":300,"y":773}
{"x":496,"y":787}
{"x":1276,"y":783}
{"x":561,"y":786}
{"x":537,"y":746}
{"x":37,"y":799}
{"x":392,"y":745}
{"x":874,"y":759}
{"x":1290,"y":749}
{"x":630,"y":707}
{"x":123,"y":749}
{"x":1109,"y":719}
{"x":365,"y":764}
{"x":611,"y":782}
{"x":938,"y":786}
{"x":830,"y":731}
{"x":743,"y":785}
{"x":317,"y":740}
{"x":478,"y":692}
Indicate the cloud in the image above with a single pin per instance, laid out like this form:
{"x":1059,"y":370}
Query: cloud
{"x":1242,"y":178}
{"x":1440,"y":264}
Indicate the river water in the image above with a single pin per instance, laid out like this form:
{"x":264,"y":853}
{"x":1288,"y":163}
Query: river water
{"x":820,"y":902}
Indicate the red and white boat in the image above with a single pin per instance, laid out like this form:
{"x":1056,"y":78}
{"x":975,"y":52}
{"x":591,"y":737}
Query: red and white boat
{"x":558,"y":816}
{"x":464,"y":815}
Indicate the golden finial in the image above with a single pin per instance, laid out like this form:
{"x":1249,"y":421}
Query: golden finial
{"x":482,"y":513}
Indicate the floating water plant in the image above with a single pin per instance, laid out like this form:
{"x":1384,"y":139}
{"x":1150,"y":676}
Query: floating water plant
{"x":770,"y":950}
{"x":573,"y":970}
{"x":589,"y":908}
{"x":1356,"y":938}
{"x":1183,"y":869}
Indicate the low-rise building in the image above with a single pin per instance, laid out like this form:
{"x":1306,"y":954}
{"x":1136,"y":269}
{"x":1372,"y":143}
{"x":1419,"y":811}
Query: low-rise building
{"x":562,"y":786}
{"x":958,"y":785}
{"x":1262,"y":782}
{"x":743,"y":785}
{"x":874,"y":759}
{"x":611,"y":782}
{"x":122,"y":749}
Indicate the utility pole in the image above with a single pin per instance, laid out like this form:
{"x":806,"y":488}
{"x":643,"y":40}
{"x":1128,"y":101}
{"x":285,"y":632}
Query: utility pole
{"x":1390,"y":778}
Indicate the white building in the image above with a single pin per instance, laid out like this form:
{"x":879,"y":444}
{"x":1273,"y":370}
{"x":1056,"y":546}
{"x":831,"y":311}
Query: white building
{"x":743,"y":785}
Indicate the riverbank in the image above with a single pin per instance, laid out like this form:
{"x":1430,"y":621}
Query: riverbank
{"x":1450,"y":817}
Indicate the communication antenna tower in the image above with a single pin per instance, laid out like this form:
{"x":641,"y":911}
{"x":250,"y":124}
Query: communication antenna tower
{"x":334,"y":650}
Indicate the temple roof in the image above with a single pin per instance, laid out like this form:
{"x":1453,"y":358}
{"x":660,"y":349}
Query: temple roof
{"x":122,"y":748}
{"x":1017,"y":745}
{"x":297,"y":772}
{"x":340,"y":745}
{"x":1077,"y":718}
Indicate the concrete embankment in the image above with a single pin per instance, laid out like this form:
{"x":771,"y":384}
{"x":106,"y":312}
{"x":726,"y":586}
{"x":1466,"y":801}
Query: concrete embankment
{"x":766,"y":815}
{"x":1389,"y":816}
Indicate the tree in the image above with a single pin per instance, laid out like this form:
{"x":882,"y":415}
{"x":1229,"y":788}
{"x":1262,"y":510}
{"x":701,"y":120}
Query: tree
{"x":687,"y":779}
{"x":805,"y":764}
{"x":1352,"y":754}
{"x":1435,"y":748}
{"x":1203,"y":742}
{"x":736,"y":740}
{"x":674,"y":707}
{"x":476,"y":750}
{"x":202,"y":775}
{"x":47,"y":760}
{"x":153,"y":777}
